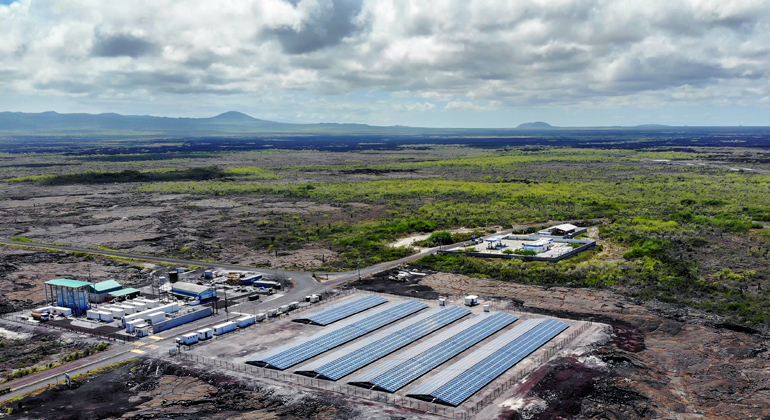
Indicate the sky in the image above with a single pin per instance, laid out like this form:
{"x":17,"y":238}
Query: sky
{"x":442,"y":63}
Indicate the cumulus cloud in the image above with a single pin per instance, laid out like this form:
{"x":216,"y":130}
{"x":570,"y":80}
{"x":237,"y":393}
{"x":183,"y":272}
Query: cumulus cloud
{"x":447,"y":55}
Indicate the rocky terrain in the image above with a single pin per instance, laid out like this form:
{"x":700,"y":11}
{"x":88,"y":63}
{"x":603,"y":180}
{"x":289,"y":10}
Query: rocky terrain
{"x":149,"y":389}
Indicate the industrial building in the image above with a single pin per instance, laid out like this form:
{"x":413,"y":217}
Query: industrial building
{"x":564,"y":230}
{"x":67,"y":293}
{"x":100,"y":292}
{"x":193,"y":291}
{"x":124,"y":294}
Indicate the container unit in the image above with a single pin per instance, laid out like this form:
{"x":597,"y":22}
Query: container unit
{"x":251,"y":278}
{"x":245,"y":321}
{"x":58,"y":310}
{"x":315,"y":299}
{"x":140,"y":307}
{"x":156,"y":317}
{"x":116,"y":312}
{"x":105,"y":316}
{"x":272,"y":313}
{"x":92,"y":314}
{"x":225,"y":328}
{"x":208,"y":274}
{"x":283,"y":309}
{"x":471,"y":300}
{"x":486,"y":308}
{"x":132,"y":325}
{"x":441,"y":302}
{"x":260,"y":316}
{"x":151,"y":304}
{"x":307,"y":298}
{"x":205,"y":334}
{"x":44,"y":309}
{"x":142,"y":331}
{"x":294,"y":305}
{"x":127,"y":309}
{"x":188,"y":339}
{"x":168,"y":308}
{"x":181,"y":270}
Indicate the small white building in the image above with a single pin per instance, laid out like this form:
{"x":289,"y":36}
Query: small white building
{"x":564,"y":230}
{"x":539,"y":246}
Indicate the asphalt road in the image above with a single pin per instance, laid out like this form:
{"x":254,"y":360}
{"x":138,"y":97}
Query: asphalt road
{"x":304,"y":284}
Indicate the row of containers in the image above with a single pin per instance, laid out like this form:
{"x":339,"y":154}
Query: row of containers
{"x":135,"y":315}
{"x":243,"y":322}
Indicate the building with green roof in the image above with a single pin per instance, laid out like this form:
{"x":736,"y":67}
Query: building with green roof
{"x":100,"y":292}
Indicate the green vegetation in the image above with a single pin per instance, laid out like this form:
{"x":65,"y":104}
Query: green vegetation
{"x":20,"y":239}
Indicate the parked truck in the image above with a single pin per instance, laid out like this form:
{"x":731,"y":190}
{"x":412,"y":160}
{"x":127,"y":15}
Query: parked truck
{"x":41,"y":316}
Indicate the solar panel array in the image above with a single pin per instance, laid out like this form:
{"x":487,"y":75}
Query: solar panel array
{"x":458,"y":382}
{"x":353,"y":357}
{"x":415,"y":362}
{"x":296,"y":352}
{"x":342,"y":310}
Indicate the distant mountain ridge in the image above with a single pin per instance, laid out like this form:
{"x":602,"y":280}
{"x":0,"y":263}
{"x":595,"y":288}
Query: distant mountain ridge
{"x":534,"y":125}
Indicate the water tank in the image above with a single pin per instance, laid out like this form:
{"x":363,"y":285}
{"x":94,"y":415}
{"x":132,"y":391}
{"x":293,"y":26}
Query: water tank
{"x":486,"y":308}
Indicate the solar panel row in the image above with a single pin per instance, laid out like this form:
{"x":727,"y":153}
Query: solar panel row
{"x":342,"y":310}
{"x":463,"y":379}
{"x":293,"y":353}
{"x":356,"y":356}
{"x":404,"y":368}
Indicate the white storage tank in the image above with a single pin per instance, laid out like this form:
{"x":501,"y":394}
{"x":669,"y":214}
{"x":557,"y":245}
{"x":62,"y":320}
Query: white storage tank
{"x":245,"y":321}
{"x":156,"y":317}
{"x":471,"y":300}
{"x":105,"y":316}
{"x":92,"y":314}
{"x":188,"y":339}
{"x":486,"y":308}
{"x":225,"y":328}
{"x":261,"y":316}
{"x":441,"y":302}
{"x":131,"y":326}
{"x":205,"y":334}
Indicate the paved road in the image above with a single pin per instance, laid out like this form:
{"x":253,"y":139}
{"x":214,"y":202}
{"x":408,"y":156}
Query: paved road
{"x":304,"y":284}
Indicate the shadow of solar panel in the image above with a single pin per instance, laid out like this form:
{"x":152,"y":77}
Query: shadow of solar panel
{"x":293,"y":353}
{"x":458,"y":382}
{"x":342,"y":310}
{"x":403,"y":369}
{"x":356,"y":356}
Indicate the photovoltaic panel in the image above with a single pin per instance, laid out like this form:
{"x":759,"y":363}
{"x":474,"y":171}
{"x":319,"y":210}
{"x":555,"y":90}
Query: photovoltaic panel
{"x":342,"y":310}
{"x":290,"y":354}
{"x":458,"y":382}
{"x":415,"y":362}
{"x":353,"y":357}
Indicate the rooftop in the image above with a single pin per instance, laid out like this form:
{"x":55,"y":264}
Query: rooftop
{"x":123,"y":292}
{"x":75,"y":284}
{"x":106,"y":286}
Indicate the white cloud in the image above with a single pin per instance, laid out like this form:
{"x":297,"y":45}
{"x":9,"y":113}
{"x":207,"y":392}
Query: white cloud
{"x":471,"y":55}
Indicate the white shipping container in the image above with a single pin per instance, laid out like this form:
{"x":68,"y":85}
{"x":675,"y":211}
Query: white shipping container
{"x":151,"y":304}
{"x":132,"y":325}
{"x":92,"y":314}
{"x":283,"y":309}
{"x":314,"y":298}
{"x":245,"y":321}
{"x":105,"y":316}
{"x":188,"y":339}
{"x":205,"y":334}
{"x":294,"y":305}
{"x":127,"y":309}
{"x":225,"y":328}
{"x":44,"y":309}
{"x":261,"y":316}
{"x":58,"y":310}
{"x":156,"y":317}
{"x":139,"y":306}
{"x":272,"y":312}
